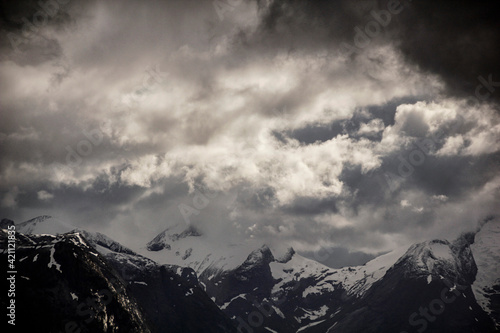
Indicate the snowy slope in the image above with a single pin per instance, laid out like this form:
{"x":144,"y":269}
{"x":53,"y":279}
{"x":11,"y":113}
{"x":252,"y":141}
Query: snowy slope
{"x":486,"y":251}
{"x":438,"y":257}
{"x":103,"y":243}
{"x":47,"y":225}
{"x":185,"y":246}
{"x":44,"y":225}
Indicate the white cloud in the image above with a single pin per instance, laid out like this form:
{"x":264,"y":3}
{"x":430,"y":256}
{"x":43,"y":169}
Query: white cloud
{"x":452,"y":146}
{"x":374,"y":126}
{"x":463,"y":129}
{"x":44,"y":195}
{"x":483,"y":140}
{"x":441,"y":197}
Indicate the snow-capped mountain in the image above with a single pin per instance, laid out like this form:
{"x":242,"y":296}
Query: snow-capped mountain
{"x":187,"y":246}
{"x":241,"y":279}
{"x":44,"y":224}
{"x":486,"y":252}
{"x":427,"y":289}
{"x":264,"y":292}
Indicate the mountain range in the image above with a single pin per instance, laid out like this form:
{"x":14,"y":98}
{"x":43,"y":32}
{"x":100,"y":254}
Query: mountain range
{"x":180,"y":281}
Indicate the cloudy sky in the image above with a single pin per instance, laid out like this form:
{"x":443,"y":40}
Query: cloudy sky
{"x":354,"y":126}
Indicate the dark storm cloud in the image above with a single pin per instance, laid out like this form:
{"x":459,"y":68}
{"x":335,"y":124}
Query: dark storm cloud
{"x":24,"y":38}
{"x":313,"y":133}
{"x":452,"y":176}
{"x":15,"y":13}
{"x":297,"y":25}
{"x":457,"y":40}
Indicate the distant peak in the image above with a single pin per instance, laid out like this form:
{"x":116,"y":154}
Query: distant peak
{"x":262,"y":254}
{"x":440,"y":258}
{"x":27,"y":226}
{"x":44,"y":224}
{"x":172,"y":234}
{"x":37,"y":219}
{"x":189,"y":231}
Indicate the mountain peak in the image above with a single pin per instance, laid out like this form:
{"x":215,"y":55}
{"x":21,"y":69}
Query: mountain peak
{"x":260,"y":255}
{"x":172,"y":234}
{"x":439,"y":258}
{"x":44,"y":224}
{"x":35,"y":220}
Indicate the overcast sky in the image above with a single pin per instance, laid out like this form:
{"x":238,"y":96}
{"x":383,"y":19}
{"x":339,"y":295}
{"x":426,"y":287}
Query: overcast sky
{"x":353,"y":125}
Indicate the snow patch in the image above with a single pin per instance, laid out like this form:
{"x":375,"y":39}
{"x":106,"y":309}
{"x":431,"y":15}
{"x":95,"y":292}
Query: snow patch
{"x":310,"y":290}
{"x":278,"y":312}
{"x":53,"y":261}
{"x":225,"y":305}
{"x":315,"y":314}
{"x":441,"y":251}
{"x":310,"y":325}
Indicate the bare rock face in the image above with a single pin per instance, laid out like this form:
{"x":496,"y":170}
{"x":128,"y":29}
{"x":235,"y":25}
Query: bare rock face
{"x":65,"y":285}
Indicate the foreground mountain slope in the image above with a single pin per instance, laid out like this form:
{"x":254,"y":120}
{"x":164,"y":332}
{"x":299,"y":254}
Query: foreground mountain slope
{"x":63,"y":285}
{"x":170,"y":296}
{"x":166,"y":298}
